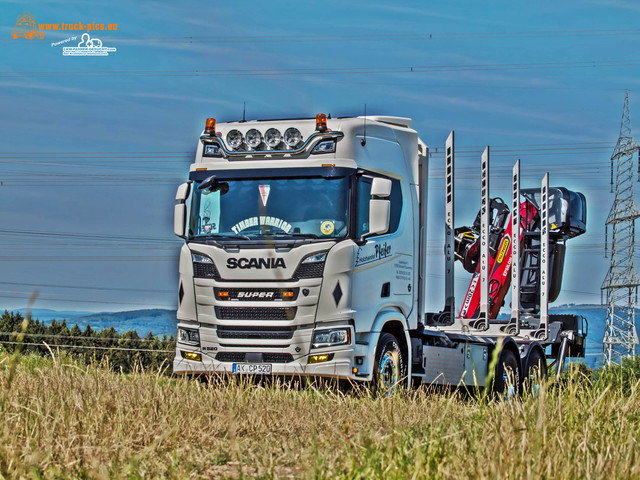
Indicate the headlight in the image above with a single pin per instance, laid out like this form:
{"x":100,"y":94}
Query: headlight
{"x":203,"y":267}
{"x":234,"y":138}
{"x":189,"y":336}
{"x":272,"y":137}
{"x":292,"y":137}
{"x":311,"y":266}
{"x":253,"y":138}
{"x":317,"y":257}
{"x":198,"y":258}
{"x":332,"y":337}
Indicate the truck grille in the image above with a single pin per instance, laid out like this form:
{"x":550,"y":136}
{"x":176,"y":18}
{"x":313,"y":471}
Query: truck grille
{"x":205,"y":270}
{"x":238,"y":357}
{"x":256,"y":313}
{"x":256,"y":294}
{"x":255,"y":333}
{"x":309,"y":270}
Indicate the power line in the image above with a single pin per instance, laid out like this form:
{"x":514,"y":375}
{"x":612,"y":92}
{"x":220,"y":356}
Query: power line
{"x":367,"y":37}
{"x":73,"y":337}
{"x":323,"y":70}
{"x":27,"y":297}
{"x":88,"y":347}
{"x":84,"y":287}
{"x":86,"y":236}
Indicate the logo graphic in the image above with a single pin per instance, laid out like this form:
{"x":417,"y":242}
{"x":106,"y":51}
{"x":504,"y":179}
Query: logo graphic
{"x":88,"y":47}
{"x":26,"y":27}
{"x":503,"y":249}
{"x":264,"y":193}
{"x":368,"y":254}
{"x":255,"y":263}
{"x":327,"y":227}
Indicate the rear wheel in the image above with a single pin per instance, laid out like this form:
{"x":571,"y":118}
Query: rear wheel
{"x":389,"y":366}
{"x":506,"y":383}
{"x":536,"y":371}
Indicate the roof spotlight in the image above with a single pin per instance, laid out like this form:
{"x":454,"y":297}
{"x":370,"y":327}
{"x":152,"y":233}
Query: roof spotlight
{"x":253,"y":138}
{"x":292,"y":137}
{"x":272,"y":137}
{"x":234,"y":138}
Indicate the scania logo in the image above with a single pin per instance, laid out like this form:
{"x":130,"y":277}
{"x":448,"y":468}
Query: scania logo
{"x":256,"y":263}
{"x":255,"y":295}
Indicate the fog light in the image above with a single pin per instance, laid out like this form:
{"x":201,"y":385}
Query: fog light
{"x":196,"y":357}
{"x":325,"y":357}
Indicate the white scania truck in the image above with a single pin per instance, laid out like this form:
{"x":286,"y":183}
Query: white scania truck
{"x":305,"y":255}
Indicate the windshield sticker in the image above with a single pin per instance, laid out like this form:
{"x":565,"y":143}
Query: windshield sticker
{"x":327,"y":227}
{"x":262,"y":221}
{"x":372,"y":253}
{"x":264,"y":193}
{"x":210,"y":212}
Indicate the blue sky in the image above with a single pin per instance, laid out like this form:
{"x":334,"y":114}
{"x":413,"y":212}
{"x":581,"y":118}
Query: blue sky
{"x":94,"y":147}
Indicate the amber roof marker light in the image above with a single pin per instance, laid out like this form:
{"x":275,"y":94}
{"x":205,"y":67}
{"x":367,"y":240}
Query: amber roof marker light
{"x":210,"y":127}
{"x":321,"y":122}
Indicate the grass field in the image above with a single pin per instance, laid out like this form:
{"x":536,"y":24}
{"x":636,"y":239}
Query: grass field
{"x":63,"y":420}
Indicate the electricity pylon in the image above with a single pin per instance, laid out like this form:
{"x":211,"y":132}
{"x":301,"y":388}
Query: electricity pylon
{"x":621,"y":282}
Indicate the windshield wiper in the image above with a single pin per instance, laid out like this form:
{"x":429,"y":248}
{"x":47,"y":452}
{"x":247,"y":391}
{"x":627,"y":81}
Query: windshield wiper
{"x":230,"y":237}
{"x":293,"y":234}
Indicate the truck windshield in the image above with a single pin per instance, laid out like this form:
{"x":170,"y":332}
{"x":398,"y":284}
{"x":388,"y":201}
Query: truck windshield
{"x":287,"y":207}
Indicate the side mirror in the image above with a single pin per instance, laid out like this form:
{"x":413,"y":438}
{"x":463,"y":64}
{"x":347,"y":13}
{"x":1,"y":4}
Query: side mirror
{"x":379,"y":214}
{"x":379,"y":207}
{"x":183,"y":192}
{"x":381,"y":187}
{"x":180,"y":210}
{"x":179,"y":217}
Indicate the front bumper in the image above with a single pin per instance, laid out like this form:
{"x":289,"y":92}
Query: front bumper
{"x":341,"y":365}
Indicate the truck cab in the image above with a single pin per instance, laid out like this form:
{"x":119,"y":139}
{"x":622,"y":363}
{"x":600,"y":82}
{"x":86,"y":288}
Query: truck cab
{"x":300,"y":246}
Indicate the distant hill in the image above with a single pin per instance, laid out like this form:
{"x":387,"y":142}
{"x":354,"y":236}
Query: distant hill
{"x":46,"y":315}
{"x":159,"y":321}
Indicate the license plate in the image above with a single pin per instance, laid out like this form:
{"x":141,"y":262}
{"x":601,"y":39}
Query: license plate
{"x":252,"y":368}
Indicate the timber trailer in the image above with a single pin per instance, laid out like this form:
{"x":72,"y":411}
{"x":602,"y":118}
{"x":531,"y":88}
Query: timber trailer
{"x":305,"y":254}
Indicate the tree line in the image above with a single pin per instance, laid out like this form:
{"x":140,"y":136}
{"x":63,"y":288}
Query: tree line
{"x":122,"y":352}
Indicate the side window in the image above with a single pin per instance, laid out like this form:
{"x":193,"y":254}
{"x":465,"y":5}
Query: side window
{"x":364,"y":195}
{"x":396,"y":205}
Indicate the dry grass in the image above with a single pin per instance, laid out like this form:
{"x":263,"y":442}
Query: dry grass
{"x":65,"y":421}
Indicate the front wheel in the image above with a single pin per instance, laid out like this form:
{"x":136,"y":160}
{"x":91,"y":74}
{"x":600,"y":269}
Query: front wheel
{"x":389,"y":366}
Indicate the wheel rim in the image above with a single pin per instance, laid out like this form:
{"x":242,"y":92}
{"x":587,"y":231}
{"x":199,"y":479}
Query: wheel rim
{"x":534,"y":379}
{"x":508,"y":378}
{"x":389,"y":371}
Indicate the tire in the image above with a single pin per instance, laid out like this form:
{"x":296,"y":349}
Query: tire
{"x":506,"y":383}
{"x":535,"y":371}
{"x":390,"y":366}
